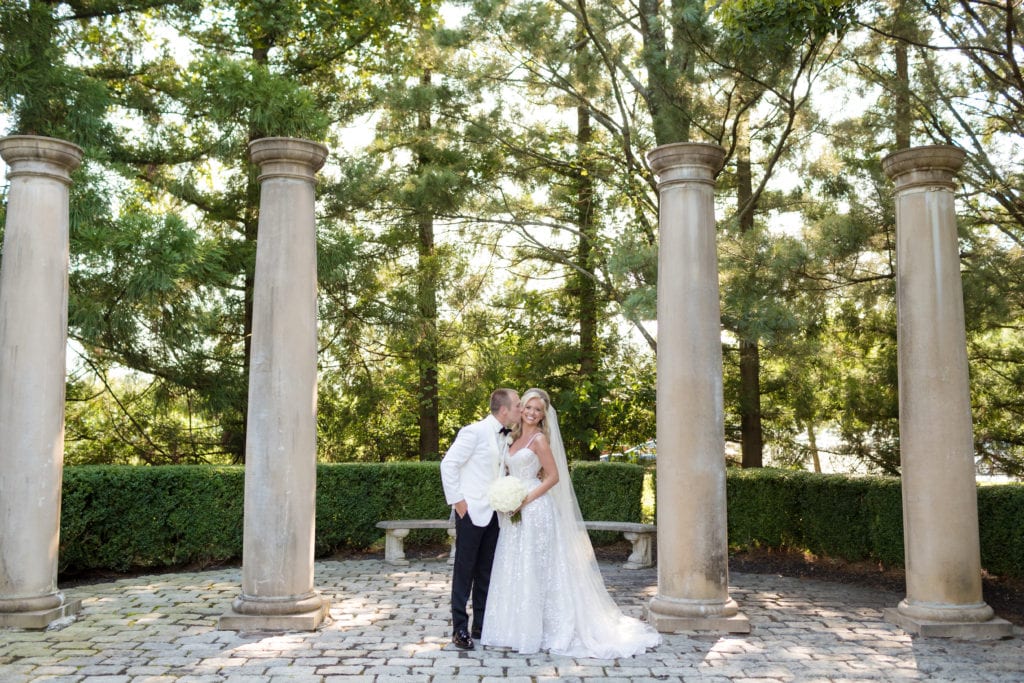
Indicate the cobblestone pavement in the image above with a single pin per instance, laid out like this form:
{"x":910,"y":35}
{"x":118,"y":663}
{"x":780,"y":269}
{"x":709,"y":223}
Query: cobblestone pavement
{"x":391,"y":624}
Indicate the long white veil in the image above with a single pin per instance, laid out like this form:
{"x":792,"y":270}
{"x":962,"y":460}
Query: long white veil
{"x":603,"y":631}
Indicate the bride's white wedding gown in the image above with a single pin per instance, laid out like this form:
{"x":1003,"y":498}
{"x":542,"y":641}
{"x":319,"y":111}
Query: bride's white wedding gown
{"x":542,"y":598}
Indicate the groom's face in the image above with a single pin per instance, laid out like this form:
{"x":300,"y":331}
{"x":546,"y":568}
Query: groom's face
{"x":511,"y":411}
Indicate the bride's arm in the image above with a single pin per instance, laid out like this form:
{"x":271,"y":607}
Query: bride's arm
{"x":547,"y":462}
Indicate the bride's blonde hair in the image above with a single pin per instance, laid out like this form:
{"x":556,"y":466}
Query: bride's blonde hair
{"x":531,"y":394}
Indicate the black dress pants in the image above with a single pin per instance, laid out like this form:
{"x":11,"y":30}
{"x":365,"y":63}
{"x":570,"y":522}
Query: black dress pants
{"x":474,"y":555}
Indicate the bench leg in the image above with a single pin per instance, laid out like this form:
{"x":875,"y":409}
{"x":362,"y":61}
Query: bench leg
{"x":394,"y":546}
{"x":640,"y":558}
{"x":451,"y":539}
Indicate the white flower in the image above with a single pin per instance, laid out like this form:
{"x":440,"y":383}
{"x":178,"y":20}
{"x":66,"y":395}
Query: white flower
{"x":506,"y":495}
{"x":508,"y":439}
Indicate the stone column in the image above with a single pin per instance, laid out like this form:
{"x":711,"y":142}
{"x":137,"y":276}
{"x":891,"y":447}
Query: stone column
{"x":693,"y":567}
{"x":940,"y":504}
{"x":33,"y":340}
{"x":280,"y":449}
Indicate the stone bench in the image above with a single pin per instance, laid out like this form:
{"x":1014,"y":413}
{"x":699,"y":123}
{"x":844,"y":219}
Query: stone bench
{"x":395,"y":531}
{"x":640,"y":535}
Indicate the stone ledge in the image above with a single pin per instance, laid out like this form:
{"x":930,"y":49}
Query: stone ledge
{"x":305,"y":621}
{"x":738,"y":623}
{"x":40,"y":619}
{"x":993,"y":629}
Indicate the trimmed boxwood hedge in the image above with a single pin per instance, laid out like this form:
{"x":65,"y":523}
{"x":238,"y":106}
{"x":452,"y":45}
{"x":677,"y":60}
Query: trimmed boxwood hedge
{"x":852,"y":518}
{"x":120,"y":518}
{"x":123,"y":518}
{"x":1001,"y":524}
{"x":610,"y":491}
{"x":858,"y":518}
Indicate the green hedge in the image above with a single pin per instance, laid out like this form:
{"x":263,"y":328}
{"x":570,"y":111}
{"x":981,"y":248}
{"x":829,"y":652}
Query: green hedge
{"x":857,"y":518}
{"x":1001,"y":524}
{"x":351,"y":498}
{"x":609,"y":491}
{"x":121,"y":518}
{"x":852,"y":518}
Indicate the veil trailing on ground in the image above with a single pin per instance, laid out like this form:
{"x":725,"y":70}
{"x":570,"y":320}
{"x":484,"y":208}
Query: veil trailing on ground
{"x":602,"y":630}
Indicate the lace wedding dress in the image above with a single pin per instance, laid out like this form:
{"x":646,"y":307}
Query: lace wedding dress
{"x":546,"y":591}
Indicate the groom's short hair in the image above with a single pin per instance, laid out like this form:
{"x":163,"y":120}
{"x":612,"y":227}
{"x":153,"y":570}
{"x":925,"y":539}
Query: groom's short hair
{"x":501,"y":398}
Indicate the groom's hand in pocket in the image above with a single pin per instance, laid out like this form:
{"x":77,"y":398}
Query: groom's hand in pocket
{"x":461,"y":508}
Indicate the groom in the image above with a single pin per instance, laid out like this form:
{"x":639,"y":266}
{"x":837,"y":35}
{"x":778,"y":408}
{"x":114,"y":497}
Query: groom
{"x":467,"y":470}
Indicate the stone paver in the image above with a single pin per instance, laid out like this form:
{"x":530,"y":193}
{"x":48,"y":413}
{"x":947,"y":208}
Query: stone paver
{"x":391,"y":624}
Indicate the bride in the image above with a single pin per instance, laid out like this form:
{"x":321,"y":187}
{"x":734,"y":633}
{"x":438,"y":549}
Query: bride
{"x":546,"y":590}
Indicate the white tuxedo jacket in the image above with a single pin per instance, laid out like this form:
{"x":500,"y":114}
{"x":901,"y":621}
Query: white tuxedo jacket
{"x":471,"y":465}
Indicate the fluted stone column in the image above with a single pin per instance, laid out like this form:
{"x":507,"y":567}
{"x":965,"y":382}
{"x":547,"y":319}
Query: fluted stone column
{"x":693,"y":569}
{"x":33,"y":340}
{"x":940,"y":505}
{"x":280,"y":452}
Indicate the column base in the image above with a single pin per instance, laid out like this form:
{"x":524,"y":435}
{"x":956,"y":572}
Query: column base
{"x":991,"y":629}
{"x":672,"y":615}
{"x":40,"y":619}
{"x":273,"y":617}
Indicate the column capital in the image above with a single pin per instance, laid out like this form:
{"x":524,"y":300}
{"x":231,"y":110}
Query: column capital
{"x":928,"y":165}
{"x":287,"y":157}
{"x":40,"y":156}
{"x":686,"y":161}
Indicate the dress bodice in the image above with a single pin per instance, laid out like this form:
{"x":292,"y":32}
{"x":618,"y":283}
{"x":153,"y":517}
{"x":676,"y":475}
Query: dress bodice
{"x":524,"y":464}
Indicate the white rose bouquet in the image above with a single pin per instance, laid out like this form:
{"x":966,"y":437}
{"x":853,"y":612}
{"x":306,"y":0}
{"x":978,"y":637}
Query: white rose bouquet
{"x":506,"y":495}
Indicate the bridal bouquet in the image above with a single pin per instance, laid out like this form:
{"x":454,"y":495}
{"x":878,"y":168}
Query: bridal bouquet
{"x":506,"y":494}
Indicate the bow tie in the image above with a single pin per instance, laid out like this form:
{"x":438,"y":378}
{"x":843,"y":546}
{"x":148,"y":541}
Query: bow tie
{"x":504,"y":430}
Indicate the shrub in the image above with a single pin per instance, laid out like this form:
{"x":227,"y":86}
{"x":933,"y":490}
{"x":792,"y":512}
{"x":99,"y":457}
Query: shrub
{"x":119,"y":517}
{"x":353,"y":497}
{"x":851,"y":518}
{"x":1001,"y":525}
{"x":608,"y":491}
{"x":763,"y":507}
{"x":122,"y":517}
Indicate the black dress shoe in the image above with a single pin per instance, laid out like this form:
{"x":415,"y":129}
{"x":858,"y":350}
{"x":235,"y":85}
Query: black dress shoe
{"x":462,"y":640}
{"x":476,"y":635}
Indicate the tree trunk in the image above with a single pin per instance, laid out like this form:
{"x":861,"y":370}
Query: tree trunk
{"x":426,"y":351}
{"x":751,"y":435}
{"x":668,"y":68}
{"x":812,"y":441}
{"x":902,"y":124}
{"x":585,"y":284}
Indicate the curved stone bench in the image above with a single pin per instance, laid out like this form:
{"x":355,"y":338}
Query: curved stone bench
{"x":395,"y":531}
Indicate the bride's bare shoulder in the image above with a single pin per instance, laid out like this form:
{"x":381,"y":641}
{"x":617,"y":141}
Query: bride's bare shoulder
{"x":541,"y":441}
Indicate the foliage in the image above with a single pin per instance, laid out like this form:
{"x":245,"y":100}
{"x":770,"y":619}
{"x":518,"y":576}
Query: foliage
{"x":851,"y":518}
{"x":38,"y":83}
{"x":516,"y":131}
{"x":352,"y":498}
{"x":126,"y":421}
{"x":764,"y":507}
{"x":608,"y":491}
{"x":1000,"y":511}
{"x":121,"y":518}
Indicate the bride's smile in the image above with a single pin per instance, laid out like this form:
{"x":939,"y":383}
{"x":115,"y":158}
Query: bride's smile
{"x":533,"y":411}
